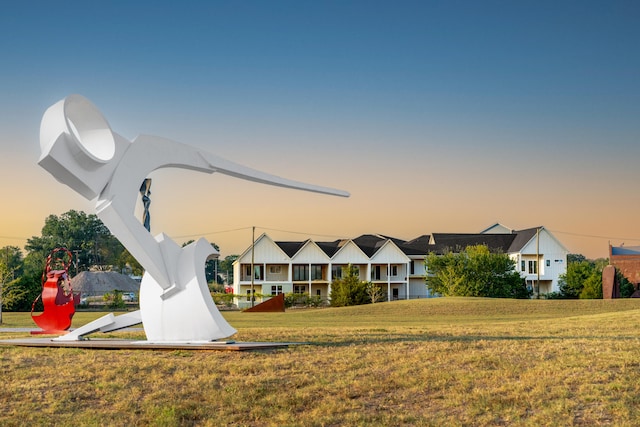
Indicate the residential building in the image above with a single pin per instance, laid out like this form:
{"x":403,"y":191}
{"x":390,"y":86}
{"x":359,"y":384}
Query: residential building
{"x":395,"y":265}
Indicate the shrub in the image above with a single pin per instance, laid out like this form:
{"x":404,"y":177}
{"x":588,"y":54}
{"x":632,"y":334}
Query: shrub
{"x":349,"y":290}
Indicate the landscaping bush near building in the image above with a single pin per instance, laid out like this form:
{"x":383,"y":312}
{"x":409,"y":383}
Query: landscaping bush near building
{"x":302,"y":300}
{"x":474,"y":272}
{"x":223,"y":298}
{"x":349,"y":290}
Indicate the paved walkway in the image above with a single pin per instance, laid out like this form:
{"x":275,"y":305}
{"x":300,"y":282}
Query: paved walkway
{"x":14,"y":330}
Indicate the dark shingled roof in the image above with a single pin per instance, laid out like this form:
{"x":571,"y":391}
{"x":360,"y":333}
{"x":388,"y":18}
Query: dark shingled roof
{"x":443,"y":242}
{"x":101,"y":282}
{"x":369,"y":243}
{"x":417,"y":246}
{"x":522,"y":238}
{"x":291,"y":248}
{"x":330,"y":248}
{"x":458,"y":241}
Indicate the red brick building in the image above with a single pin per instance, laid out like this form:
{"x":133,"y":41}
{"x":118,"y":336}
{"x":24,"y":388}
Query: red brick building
{"x":627,"y":260}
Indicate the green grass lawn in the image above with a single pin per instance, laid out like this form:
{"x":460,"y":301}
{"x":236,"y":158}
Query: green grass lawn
{"x":440,"y":362}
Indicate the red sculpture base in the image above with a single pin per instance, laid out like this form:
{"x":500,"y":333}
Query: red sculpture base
{"x":58,"y":299}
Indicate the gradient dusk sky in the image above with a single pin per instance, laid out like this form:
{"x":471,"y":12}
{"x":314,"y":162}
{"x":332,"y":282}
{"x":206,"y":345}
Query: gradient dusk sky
{"x":437,"y":116}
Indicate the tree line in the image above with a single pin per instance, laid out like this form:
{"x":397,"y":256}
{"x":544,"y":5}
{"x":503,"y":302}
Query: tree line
{"x":473,"y":272}
{"x":93,"y":247}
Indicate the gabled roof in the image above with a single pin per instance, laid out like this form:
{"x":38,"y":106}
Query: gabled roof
{"x":497,"y":228}
{"x":330,"y":248}
{"x":522,"y":238}
{"x":291,"y":248}
{"x":443,"y":242}
{"x":257,"y":242}
{"x":417,"y":246}
{"x":525,"y":236}
{"x":369,"y":243}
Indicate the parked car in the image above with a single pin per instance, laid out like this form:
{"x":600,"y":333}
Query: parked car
{"x":128,"y":296}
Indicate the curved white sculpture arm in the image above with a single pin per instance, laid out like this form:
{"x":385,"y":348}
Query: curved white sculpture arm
{"x":147,"y":153}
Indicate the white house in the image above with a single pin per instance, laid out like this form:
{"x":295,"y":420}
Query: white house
{"x":395,"y":265}
{"x":539,"y":256}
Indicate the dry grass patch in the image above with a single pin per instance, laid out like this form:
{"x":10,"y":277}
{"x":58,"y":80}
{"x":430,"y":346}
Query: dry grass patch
{"x":432,"y":362}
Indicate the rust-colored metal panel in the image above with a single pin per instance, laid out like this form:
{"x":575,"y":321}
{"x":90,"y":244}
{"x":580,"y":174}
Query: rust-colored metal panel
{"x":610,"y":286}
{"x":273,"y":305}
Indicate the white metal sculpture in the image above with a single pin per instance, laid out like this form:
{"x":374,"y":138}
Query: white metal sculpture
{"x":80,"y":150}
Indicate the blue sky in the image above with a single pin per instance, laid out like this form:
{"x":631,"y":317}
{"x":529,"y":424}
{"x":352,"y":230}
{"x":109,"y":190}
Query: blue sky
{"x":436,"y":116}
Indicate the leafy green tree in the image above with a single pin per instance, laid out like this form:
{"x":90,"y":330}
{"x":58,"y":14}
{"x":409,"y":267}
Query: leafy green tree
{"x":19,"y":294}
{"x":226,"y":267}
{"x":583,"y":279}
{"x":127,"y":263}
{"x":572,"y":282}
{"x":11,"y":258}
{"x":211,"y":266}
{"x":10,"y":268}
{"x":575,"y":258}
{"x":626,"y":287}
{"x":85,"y":235}
{"x":474,"y":272}
{"x":592,"y":287}
{"x":349,"y":290}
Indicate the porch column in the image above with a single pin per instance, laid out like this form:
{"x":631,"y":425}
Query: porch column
{"x":407,"y":278}
{"x":389,"y":280}
{"x":329,"y":281}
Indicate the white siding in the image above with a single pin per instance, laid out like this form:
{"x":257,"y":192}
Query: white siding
{"x":389,"y":254}
{"x":265,"y":252}
{"x":310,"y":254}
{"x":549,"y":250}
{"x":350,"y":254}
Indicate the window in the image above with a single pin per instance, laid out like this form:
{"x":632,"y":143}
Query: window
{"x":259,"y":272}
{"x":318,"y":292}
{"x":394,"y":270}
{"x":336,"y":272}
{"x":274,"y":269}
{"x":299,"y":289}
{"x":300,"y":272}
{"x":523,"y":264}
{"x":548,"y":263}
{"x":376,"y":272}
{"x":316,"y":272}
{"x":276,"y":290}
{"x":413,"y":267}
{"x":249,"y":294}
{"x":533,"y":267}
